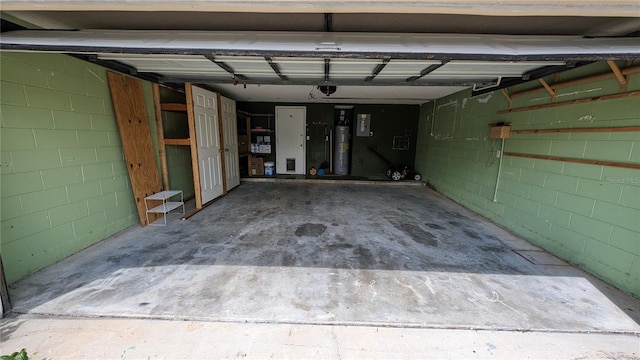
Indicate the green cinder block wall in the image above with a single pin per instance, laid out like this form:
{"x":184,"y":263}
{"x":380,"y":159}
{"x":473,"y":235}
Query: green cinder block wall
{"x":63,"y":180}
{"x":586,"y":214}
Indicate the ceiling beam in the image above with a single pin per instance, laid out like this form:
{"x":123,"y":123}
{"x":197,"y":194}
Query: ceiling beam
{"x":425,"y":71}
{"x":377,"y":69}
{"x":276,"y":68}
{"x":224,"y":66}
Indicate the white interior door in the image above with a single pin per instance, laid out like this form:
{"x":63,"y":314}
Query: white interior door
{"x":230,"y":138}
{"x":290,"y":139}
{"x":205,"y":111}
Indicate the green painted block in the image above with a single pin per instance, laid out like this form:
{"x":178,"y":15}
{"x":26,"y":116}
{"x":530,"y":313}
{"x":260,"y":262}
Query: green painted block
{"x":114,"y":139}
{"x":598,"y":136}
{"x":119,"y":212}
{"x":90,"y":229}
{"x":49,"y":242}
{"x":54,"y":178}
{"x":25,"y":117}
{"x":554,"y":215}
{"x":626,"y":240}
{"x":568,"y":148}
{"x":608,"y":150}
{"x":609,"y":256}
{"x":626,"y":136}
{"x":590,"y":227}
{"x":31,"y":160}
{"x":87,"y":104}
{"x":119,"y":168}
{"x":575,"y":204}
{"x":101,"y":203}
{"x":621,"y":175}
{"x":630,"y":196}
{"x":109,"y":154}
{"x":47,"y":98}
{"x":71,"y":120}
{"x":572,"y":241}
{"x":528,"y":206}
{"x":55,"y":139}
{"x":43,"y":200}
{"x":600,"y":190}
{"x":66,"y":82}
{"x":97,"y":87}
{"x":97,"y":171}
{"x":516,"y":188}
{"x":495,"y":208}
{"x":12,"y":94}
{"x":93,"y":138}
{"x":6,"y":163}
{"x":45,"y":60}
{"x":67,"y":213}
{"x":548,"y":166}
{"x":10,"y":207}
{"x":78,"y":157}
{"x":510,"y":173}
{"x":543,"y":196}
{"x":20,"y":183}
{"x":104,"y":123}
{"x":617,"y":109}
{"x":22,"y":73}
{"x":618,"y":215}
{"x":506,"y":199}
{"x":17,"y":139}
{"x":583,"y":170}
{"x":567,"y":184}
{"x":15,"y":258}
{"x":114,"y":184}
{"x":532,"y":177}
{"x":26,"y":225}
{"x":83,"y":191}
{"x":520,"y":162}
{"x":635,"y":153}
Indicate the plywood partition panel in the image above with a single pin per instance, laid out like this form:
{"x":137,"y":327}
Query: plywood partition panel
{"x":128,"y":103}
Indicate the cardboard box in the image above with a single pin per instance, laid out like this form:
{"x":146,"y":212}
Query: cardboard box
{"x":257,"y":166}
{"x":500,"y":132}
{"x":264,"y":149}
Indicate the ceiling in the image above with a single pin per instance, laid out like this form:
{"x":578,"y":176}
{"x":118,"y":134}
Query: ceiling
{"x":386,"y":71}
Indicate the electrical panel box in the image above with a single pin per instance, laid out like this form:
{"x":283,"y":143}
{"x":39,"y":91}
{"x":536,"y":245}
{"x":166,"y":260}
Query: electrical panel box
{"x":363,"y":125}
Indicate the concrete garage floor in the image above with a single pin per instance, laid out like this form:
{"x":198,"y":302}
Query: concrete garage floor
{"x":283,"y":253}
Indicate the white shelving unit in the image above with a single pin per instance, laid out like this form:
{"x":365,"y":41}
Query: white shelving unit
{"x":166,"y":206}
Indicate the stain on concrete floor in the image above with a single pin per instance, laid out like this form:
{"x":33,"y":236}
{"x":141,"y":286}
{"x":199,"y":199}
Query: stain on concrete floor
{"x":328,"y":253}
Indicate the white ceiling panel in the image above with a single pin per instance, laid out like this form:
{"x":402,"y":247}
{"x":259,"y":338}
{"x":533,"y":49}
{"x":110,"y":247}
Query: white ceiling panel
{"x":158,"y":63}
{"x":403,"y":69}
{"x":301,"y":68}
{"x":353,"y":68}
{"x":249,"y":66}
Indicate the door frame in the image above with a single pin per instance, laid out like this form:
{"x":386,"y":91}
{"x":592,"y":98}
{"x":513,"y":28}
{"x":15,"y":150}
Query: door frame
{"x":304,"y":136}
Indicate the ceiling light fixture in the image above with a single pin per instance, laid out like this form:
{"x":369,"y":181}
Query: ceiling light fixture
{"x":327,"y":89}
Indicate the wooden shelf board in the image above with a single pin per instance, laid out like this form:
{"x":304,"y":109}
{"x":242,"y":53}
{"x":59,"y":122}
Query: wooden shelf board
{"x":173,"y":107}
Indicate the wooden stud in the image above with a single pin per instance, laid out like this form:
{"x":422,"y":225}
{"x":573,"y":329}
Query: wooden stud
{"x":180,"y":142}
{"x":131,"y":115}
{"x":193,"y":142}
{"x":160,"y":134}
{"x":572,"y":102}
{"x":577,"y":130}
{"x":4,"y":292}
{"x":549,"y":89}
{"x":223,"y":160}
{"x":576,"y":160}
{"x":616,"y":71}
{"x":174,"y":107}
{"x":506,"y":95}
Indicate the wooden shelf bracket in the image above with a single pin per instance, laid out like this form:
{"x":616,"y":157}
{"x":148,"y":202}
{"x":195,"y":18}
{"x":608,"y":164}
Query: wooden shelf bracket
{"x":507,"y":96}
{"x":551,"y":91}
{"x":622,"y":79}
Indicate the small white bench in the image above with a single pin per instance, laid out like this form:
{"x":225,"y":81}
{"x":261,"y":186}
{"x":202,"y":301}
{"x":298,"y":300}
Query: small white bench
{"x":166,"y":206}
